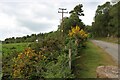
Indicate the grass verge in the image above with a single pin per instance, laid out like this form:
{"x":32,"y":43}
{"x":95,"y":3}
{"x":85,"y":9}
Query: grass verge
{"x":91,"y":57}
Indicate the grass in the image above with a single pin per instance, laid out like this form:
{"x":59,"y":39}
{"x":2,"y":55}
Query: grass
{"x":0,"y":60}
{"x":91,"y":57}
{"x":113,"y":40}
{"x":0,"y":47}
{"x":13,"y":47}
{"x":0,"y":53}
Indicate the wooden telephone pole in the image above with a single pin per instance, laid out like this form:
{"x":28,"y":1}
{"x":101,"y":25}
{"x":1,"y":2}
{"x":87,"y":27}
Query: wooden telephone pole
{"x":62,"y":11}
{"x":70,"y":51}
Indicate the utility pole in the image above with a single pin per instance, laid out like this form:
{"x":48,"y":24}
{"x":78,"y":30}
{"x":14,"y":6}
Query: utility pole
{"x":62,"y":11}
{"x":70,"y":50}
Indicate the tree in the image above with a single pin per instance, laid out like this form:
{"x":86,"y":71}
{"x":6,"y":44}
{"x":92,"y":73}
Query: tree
{"x":102,"y":18}
{"x":78,"y":10}
{"x":75,"y":14}
{"x":114,"y":22}
{"x":73,"y":20}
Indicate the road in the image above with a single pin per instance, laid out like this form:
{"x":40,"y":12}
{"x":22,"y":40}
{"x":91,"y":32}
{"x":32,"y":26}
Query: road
{"x":110,"y":48}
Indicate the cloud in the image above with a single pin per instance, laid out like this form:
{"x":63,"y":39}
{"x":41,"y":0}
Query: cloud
{"x":22,"y":17}
{"x":40,"y":25}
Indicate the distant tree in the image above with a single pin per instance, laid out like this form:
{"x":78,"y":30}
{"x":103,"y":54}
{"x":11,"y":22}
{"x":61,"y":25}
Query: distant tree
{"x":102,"y":18}
{"x":107,"y":20}
{"x":114,"y":21}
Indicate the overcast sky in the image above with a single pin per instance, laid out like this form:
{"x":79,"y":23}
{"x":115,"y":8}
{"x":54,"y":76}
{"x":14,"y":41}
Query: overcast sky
{"x":25,"y":17}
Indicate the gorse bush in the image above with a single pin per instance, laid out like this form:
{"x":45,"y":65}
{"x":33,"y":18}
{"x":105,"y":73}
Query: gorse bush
{"x":78,"y":33}
{"x":24,"y":63}
{"x":79,"y":36}
{"x":49,"y":44}
{"x":37,"y":65}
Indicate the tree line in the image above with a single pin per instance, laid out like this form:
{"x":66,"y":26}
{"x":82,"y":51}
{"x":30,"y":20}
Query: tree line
{"x":106,"y":21}
{"x":28,"y":38}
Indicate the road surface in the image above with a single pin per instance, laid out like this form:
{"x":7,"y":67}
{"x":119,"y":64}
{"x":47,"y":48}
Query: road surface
{"x":110,"y":48}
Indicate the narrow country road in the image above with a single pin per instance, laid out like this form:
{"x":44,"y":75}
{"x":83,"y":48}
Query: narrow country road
{"x":110,"y":48}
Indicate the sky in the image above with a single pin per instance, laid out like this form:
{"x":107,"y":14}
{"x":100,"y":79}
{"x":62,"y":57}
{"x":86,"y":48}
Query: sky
{"x":25,"y":17}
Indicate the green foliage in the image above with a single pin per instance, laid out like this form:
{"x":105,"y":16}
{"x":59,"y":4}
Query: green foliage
{"x":14,"y":47}
{"x":47,"y":58}
{"x":48,"y":45}
{"x":58,"y":69}
{"x":78,"y":10}
{"x":25,"y":64}
{"x":0,"y":46}
{"x":73,"y":20}
{"x":8,"y":52}
{"x":106,"y":21}
{"x":51,"y":48}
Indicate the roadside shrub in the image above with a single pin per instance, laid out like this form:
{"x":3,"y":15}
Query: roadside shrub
{"x":33,"y":65}
{"x":59,"y":69}
{"x":79,"y":36}
{"x":24,"y":63}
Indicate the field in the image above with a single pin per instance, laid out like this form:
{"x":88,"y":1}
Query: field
{"x":14,"y":47}
{"x":91,"y":57}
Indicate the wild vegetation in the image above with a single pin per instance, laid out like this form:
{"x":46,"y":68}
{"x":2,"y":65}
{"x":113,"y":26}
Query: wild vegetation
{"x":49,"y":57}
{"x":106,"y":21}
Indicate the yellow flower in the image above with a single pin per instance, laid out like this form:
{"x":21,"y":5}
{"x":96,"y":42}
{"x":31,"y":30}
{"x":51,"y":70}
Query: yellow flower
{"x":77,"y":28}
{"x":73,"y":30}
{"x":86,"y":35}
{"x":70,"y":33}
{"x":81,"y":31}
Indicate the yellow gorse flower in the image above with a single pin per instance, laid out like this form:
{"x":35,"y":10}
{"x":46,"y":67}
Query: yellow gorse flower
{"x":77,"y":31}
{"x":27,"y":57}
{"x":70,"y":33}
{"x":77,"y":28}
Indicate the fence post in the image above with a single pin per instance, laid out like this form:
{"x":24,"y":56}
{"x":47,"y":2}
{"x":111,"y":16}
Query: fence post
{"x":70,"y":58}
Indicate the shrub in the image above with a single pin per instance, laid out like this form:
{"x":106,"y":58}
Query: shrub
{"x":79,"y":36}
{"x":24,"y":63}
{"x":59,"y":69}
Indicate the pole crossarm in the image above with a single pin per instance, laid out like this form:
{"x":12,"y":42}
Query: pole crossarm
{"x":62,"y":12}
{"x":62,"y":8}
